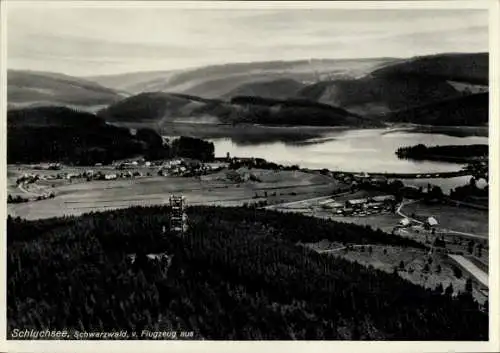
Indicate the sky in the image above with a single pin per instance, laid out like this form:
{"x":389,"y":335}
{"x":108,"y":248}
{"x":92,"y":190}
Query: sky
{"x":87,"y":41}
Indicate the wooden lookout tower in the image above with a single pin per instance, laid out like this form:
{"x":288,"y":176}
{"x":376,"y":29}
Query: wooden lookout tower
{"x":178,"y":217}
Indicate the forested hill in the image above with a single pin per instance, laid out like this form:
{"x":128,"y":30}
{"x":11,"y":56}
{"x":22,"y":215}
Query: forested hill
{"x":52,"y":116}
{"x":162,"y":107}
{"x":471,"y":110}
{"x":49,"y":134}
{"x":237,"y":274}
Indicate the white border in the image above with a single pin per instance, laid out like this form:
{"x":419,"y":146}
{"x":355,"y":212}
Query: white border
{"x":229,"y":346}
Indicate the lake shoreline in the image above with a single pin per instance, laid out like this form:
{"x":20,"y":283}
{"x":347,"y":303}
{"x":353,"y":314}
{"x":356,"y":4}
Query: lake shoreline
{"x":259,"y":132}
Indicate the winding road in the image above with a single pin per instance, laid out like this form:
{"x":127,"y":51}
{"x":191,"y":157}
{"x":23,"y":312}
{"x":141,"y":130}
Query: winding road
{"x":479,"y":274}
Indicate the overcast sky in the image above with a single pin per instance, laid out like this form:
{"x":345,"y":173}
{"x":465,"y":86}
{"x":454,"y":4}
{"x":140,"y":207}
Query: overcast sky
{"x":93,"y":41}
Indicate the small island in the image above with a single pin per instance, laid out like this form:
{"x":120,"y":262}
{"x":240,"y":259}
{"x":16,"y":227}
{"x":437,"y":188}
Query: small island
{"x":446,"y":153}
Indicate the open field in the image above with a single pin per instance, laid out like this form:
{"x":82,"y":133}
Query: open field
{"x":386,"y":258}
{"x":80,"y":196}
{"x":460,"y":219}
{"x":384,"y":221}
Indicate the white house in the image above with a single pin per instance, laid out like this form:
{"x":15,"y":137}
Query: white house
{"x":431,"y":221}
{"x":404,"y":222}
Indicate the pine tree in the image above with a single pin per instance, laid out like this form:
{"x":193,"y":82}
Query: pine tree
{"x":449,"y":290}
{"x":468,"y":285}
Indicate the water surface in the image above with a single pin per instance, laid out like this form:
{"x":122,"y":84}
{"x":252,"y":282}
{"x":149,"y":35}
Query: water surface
{"x":363,"y":150}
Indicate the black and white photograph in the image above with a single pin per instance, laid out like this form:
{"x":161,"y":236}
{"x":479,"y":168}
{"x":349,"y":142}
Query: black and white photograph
{"x":248,"y":171}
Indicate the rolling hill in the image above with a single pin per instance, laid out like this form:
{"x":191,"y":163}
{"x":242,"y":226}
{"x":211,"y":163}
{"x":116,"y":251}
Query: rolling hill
{"x":30,"y":88}
{"x":406,"y":84}
{"x":277,"y":89}
{"x":218,"y":80}
{"x":374,"y":95}
{"x":160,"y":108}
{"x":368,"y":88}
{"x":134,"y":82}
{"x":469,"y":68}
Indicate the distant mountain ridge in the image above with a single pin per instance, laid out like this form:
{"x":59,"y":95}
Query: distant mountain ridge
{"x":218,"y":80}
{"x":472,"y":68}
{"x":32,"y":88}
{"x":358,"y":91}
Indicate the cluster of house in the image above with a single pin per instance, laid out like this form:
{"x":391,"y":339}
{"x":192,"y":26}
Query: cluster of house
{"x":92,"y":175}
{"x":186,"y":168}
{"x":133,"y":164}
{"x":360,"y":178}
{"x":429,"y":223}
{"x":369,"y":204}
{"x":365,"y":205}
{"x":50,"y":166}
{"x":27,"y":178}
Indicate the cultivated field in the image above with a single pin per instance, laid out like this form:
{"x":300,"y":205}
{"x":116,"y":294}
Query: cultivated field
{"x":81,"y":196}
{"x":460,"y":219}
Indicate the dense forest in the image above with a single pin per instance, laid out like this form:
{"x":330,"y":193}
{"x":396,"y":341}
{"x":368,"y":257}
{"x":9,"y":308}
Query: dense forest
{"x":190,"y":147}
{"x":443,"y":153}
{"x":471,"y":110}
{"x":66,"y":135}
{"x":237,"y":273}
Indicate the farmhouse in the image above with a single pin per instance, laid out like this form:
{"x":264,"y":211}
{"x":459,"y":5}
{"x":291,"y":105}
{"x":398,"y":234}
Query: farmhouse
{"x":356,"y":203}
{"x":404,"y":222}
{"x":431,"y":222}
{"x":380,"y":180}
{"x":54,"y":166}
{"x":375,"y":205}
{"x":347,"y":211}
{"x":384,"y":198}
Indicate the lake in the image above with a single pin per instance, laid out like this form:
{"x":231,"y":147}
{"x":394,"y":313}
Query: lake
{"x":359,"y":150}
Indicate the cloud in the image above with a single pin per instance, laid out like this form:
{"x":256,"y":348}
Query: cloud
{"x":78,"y":39}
